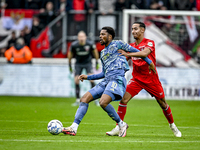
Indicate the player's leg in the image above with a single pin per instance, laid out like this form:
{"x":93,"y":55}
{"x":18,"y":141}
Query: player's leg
{"x":116,"y":89}
{"x":157,"y":91}
{"x":132,"y":89}
{"x":89,"y":71}
{"x":78,"y":70}
{"x":168,"y":114}
{"x":105,"y":104}
{"x":91,"y":95}
{"x":80,"y":113}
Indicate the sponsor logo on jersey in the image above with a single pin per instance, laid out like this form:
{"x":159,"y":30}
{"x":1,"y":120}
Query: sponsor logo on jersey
{"x":87,"y":47}
{"x":150,"y":44}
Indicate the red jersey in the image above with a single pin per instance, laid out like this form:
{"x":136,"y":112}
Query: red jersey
{"x":140,"y":67}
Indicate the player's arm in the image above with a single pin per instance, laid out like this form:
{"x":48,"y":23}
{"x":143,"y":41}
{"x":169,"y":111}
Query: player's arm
{"x":96,"y":56}
{"x":127,"y":47}
{"x":91,"y":77}
{"x":69,"y":56}
{"x":143,"y":54}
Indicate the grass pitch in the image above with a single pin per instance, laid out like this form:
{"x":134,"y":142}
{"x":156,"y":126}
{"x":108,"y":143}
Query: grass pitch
{"x":23,"y":124}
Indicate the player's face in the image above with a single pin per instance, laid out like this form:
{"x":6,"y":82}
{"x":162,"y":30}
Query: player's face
{"x":137,"y":31}
{"x":103,"y":37}
{"x":82,"y":38}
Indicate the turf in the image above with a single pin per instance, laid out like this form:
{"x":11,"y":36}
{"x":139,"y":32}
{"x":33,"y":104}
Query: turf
{"x":23,"y":124}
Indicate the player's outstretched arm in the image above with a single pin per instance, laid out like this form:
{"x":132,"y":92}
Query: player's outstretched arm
{"x":82,"y":77}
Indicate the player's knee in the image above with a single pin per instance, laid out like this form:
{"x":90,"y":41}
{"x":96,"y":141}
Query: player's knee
{"x":86,"y":98}
{"x":102,"y":103}
{"x":124,"y":101}
{"x":162,"y":103}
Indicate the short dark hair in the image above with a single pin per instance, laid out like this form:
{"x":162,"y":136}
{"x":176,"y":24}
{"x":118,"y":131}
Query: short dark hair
{"x":110,"y":30}
{"x":141,"y":24}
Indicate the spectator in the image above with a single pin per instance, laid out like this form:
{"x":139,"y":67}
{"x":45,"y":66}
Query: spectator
{"x":25,"y":34}
{"x":198,"y":5}
{"x":37,"y":26}
{"x":91,"y":6}
{"x":160,"y":5}
{"x":137,"y":4}
{"x":44,"y":4}
{"x":79,"y":18}
{"x":19,"y":54}
{"x":105,"y":7}
{"x":12,"y":41}
{"x":15,"y":4}
{"x":49,"y":14}
{"x":33,"y":4}
{"x":64,"y":5}
{"x":120,"y":5}
{"x":185,"y":4}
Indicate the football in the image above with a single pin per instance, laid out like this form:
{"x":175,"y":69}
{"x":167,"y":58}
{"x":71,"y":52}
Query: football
{"x":55,"y":127}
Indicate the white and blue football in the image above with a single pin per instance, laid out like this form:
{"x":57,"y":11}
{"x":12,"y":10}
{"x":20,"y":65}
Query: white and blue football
{"x":55,"y":127}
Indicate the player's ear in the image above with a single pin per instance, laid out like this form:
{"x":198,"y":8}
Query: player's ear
{"x":142,"y":29}
{"x":109,"y":36}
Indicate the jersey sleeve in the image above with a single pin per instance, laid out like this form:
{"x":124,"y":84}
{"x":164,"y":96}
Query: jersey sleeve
{"x":128,"y":48}
{"x":150,"y":44}
{"x":72,"y":48}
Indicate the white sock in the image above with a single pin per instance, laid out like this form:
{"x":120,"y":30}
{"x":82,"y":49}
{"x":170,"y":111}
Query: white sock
{"x":121,"y":123}
{"x":78,"y":100}
{"x":74,"y":126}
{"x":172,"y":124}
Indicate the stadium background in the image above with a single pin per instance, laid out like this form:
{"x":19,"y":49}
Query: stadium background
{"x":33,"y":94}
{"x":176,"y":37}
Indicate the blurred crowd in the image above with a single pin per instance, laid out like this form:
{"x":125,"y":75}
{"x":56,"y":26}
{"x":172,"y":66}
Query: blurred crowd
{"x":47,"y":10}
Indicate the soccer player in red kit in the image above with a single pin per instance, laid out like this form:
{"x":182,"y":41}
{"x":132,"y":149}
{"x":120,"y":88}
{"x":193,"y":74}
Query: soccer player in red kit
{"x":143,"y":79}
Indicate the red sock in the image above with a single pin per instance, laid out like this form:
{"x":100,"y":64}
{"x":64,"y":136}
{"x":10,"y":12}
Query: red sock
{"x":168,"y":114}
{"x":122,"y":110}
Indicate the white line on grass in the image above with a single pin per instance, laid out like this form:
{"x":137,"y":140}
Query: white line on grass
{"x":106,"y":124}
{"x":95,"y":141}
{"x":134,"y":134}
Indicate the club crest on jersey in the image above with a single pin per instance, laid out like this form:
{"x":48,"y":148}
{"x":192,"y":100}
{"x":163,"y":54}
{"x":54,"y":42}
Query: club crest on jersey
{"x":87,"y":47}
{"x":150,"y":44}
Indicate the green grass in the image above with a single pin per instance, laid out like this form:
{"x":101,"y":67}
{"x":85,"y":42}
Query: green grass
{"x":23,"y":124}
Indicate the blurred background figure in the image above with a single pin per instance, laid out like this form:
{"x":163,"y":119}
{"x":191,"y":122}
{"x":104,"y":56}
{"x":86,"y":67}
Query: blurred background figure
{"x":83,"y":50}
{"x":36,"y":27}
{"x":91,"y":6}
{"x":64,"y":5}
{"x":12,"y":41}
{"x":48,"y":15}
{"x":19,"y":53}
{"x":120,"y":5}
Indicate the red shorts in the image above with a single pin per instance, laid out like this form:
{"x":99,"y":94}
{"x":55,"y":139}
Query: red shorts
{"x":154,"y":89}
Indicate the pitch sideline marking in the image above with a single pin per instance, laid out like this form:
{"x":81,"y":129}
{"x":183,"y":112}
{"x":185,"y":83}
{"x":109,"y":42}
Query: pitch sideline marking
{"x":159,"y":126}
{"x":87,"y":141}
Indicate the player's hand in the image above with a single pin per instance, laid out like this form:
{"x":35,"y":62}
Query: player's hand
{"x":97,"y":65}
{"x":70,"y":68}
{"x":82,"y":77}
{"x":152,"y":67}
{"x":122,"y":52}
